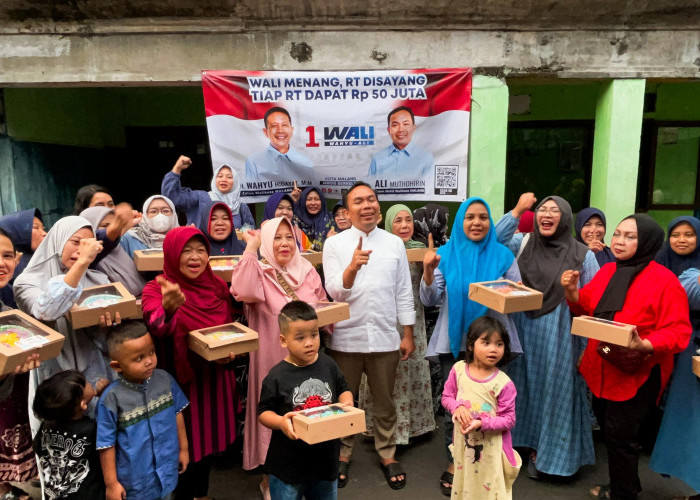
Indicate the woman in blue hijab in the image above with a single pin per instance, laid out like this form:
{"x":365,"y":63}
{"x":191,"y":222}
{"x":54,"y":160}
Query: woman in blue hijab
{"x":590,"y":230}
{"x":675,"y":453}
{"x":472,"y":254}
{"x":312,"y":216}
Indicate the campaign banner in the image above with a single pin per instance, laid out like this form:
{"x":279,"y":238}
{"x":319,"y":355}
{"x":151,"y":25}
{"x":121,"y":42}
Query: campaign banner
{"x":405,"y":132}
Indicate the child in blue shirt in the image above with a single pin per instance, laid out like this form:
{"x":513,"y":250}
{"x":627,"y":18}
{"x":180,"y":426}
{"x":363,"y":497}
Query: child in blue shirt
{"x":140,"y":428}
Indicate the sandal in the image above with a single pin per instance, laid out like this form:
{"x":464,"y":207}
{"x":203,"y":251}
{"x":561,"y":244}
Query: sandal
{"x":343,"y":471}
{"x":603,"y":491}
{"x":393,"y":470}
{"x":445,"y":479}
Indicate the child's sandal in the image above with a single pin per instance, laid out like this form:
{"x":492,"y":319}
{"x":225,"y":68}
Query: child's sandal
{"x":343,"y":471}
{"x":445,"y":479}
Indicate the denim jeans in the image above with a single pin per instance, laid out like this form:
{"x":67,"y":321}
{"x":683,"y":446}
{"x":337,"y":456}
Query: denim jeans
{"x":317,"y":490}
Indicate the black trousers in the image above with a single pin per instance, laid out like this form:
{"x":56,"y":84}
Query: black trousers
{"x":623,"y":421}
{"x":194,"y":482}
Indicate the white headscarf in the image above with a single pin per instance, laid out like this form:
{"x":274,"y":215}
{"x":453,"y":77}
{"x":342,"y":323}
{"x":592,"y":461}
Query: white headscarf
{"x":117,"y":264}
{"x":233,"y":197}
{"x":143,"y":231}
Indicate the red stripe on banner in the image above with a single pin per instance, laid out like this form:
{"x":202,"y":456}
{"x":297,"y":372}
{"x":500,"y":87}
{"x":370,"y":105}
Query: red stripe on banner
{"x":447,"y":90}
{"x":226,"y":93}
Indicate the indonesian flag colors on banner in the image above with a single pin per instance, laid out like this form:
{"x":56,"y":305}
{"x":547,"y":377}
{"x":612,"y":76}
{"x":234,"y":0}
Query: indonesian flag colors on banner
{"x":330,"y":129}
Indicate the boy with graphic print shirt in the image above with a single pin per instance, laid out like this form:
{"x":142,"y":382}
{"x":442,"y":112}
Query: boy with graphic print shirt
{"x":140,"y":428}
{"x":304,"y":379}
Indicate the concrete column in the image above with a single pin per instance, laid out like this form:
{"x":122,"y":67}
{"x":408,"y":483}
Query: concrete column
{"x":618,"y":131}
{"x":487,"y":142}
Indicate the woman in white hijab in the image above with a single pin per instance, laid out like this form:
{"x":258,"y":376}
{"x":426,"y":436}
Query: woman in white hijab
{"x":117,"y":264}
{"x":159,"y":217}
{"x":50,"y":285}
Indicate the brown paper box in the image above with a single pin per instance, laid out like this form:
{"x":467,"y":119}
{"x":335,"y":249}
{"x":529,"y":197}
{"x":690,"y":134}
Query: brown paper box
{"x":313,"y":428}
{"x":18,"y":343}
{"x":416,"y":254}
{"x":602,"y":329}
{"x":696,"y":365}
{"x":331,"y":312}
{"x":150,"y":259}
{"x":312,"y":256}
{"x":223,"y":265}
{"x":505,"y":296}
{"x":81,"y":315}
{"x":214,"y":342}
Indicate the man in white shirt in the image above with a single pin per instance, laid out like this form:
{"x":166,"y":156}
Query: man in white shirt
{"x":367,"y":267}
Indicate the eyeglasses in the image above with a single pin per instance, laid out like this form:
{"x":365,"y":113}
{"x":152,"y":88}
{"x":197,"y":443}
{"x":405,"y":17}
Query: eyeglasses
{"x":548,"y":211}
{"x":152,"y":212}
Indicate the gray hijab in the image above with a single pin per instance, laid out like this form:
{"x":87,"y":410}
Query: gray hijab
{"x":544,"y":259}
{"x":143,"y":231}
{"x":117,"y":265}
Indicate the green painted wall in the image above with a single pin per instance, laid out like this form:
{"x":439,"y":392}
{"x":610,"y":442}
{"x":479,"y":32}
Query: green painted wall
{"x":556,"y":101}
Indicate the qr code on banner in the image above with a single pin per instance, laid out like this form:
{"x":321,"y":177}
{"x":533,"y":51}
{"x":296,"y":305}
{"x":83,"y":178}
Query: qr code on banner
{"x":446,"y":179}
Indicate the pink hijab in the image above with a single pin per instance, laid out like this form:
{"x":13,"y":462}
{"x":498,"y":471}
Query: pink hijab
{"x":296,"y":270}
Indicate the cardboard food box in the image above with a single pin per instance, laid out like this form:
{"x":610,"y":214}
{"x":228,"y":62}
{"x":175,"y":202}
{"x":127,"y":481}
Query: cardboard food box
{"x":97,"y":300}
{"x":696,"y":365}
{"x":150,"y":259}
{"x":22,"y":335}
{"x":331,"y":312}
{"x":313,"y":256}
{"x":217,"y":342}
{"x":223,"y":266}
{"x":324,"y":423}
{"x":416,"y":254}
{"x":505,"y":296}
{"x":605,"y":330}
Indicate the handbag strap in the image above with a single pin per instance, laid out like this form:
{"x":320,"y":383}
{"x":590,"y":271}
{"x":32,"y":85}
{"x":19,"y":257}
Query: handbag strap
{"x":283,"y":282}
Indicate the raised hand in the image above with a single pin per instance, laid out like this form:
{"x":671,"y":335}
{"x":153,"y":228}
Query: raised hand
{"x":88,"y":250}
{"x":296,"y":193}
{"x":181,"y":164}
{"x":359,"y":257}
{"x":525,"y":203}
{"x":596,"y":246}
{"x":252,"y":240}
{"x":430,"y":262}
{"x":172,"y":295}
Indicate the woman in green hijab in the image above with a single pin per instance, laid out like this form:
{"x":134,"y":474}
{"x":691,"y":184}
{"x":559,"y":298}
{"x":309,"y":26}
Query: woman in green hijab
{"x":412,"y":390}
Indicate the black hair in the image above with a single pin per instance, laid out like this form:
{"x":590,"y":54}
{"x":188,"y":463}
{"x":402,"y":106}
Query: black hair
{"x":489,"y":326}
{"x":123,"y":332}
{"x":357,"y":184}
{"x":4,"y":233}
{"x":58,"y":397}
{"x":276,"y":109}
{"x":396,"y":110}
{"x":84,"y":196}
{"x":296,"y":310}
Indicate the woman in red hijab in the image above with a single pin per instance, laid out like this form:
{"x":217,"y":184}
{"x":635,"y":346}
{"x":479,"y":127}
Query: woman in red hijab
{"x":188,"y":296}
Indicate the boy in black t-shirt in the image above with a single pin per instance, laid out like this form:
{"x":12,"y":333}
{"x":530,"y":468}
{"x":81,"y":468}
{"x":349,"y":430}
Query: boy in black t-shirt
{"x":65,"y":444}
{"x":304,"y":379}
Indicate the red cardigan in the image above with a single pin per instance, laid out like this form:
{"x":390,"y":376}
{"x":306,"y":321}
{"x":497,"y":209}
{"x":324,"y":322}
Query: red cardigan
{"x":658,"y":305}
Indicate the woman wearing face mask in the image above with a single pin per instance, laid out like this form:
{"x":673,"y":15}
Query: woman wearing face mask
{"x":472,"y":254}
{"x":412,"y":392}
{"x":282,"y":205}
{"x":553,"y":413}
{"x":26,"y":230}
{"x":159,"y":217}
{"x":265,"y":286}
{"x":637,"y":291}
{"x":17,"y":462}
{"x":216,"y":224}
{"x":311,"y":215}
{"x":116,"y":264}
{"x":675,"y":453}
{"x":50,"y":285}
{"x":590,"y":230}
{"x":186,"y":297}
{"x":225,"y":187}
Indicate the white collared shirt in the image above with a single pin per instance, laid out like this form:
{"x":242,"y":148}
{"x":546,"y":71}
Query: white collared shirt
{"x":380,"y":296}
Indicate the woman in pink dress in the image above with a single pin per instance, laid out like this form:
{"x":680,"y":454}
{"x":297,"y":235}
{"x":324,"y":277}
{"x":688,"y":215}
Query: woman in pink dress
{"x":264,"y":287}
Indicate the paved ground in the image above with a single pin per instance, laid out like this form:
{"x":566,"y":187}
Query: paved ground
{"x":424,"y":461}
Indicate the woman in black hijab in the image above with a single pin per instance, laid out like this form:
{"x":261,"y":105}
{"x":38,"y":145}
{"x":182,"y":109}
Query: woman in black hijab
{"x":628,"y":381}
